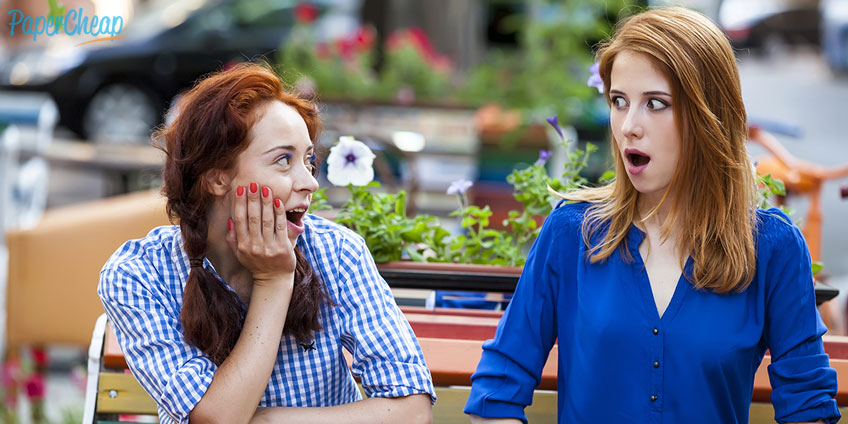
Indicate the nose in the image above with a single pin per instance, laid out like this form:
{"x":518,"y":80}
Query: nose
{"x":631,"y":126}
{"x":304,"y":181}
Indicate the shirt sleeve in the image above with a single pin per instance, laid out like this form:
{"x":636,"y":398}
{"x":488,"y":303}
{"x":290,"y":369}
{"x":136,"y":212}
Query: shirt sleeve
{"x":511,"y":365}
{"x":174,"y":373}
{"x":803,"y":384}
{"x":386,"y":355}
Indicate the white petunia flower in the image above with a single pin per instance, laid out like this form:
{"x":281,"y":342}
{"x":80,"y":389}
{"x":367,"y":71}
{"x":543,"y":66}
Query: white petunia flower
{"x":350,"y":162}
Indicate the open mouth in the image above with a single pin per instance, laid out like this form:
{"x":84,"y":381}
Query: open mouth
{"x":295,"y":215}
{"x":638,"y":159}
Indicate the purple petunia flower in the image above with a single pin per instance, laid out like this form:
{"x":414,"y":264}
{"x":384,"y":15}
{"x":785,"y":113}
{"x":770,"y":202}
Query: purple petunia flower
{"x":595,"y":78}
{"x":554,"y":121}
{"x":350,"y":162}
{"x":459,"y":186}
{"x":544,"y":155}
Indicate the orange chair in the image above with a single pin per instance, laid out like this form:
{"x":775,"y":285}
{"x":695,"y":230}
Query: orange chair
{"x":803,"y":178}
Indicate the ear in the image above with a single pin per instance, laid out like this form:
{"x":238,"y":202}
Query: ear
{"x":217,"y":182}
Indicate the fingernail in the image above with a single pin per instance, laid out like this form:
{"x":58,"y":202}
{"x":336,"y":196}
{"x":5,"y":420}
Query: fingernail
{"x":229,"y":224}
{"x":240,"y":191}
{"x":266,"y":192}
{"x":253,"y":188}
{"x":278,"y":203}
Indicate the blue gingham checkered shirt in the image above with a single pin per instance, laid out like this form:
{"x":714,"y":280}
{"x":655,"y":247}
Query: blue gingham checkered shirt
{"x":141,"y":287}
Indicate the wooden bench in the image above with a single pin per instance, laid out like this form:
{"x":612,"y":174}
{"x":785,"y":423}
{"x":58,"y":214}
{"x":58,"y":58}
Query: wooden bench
{"x":451,"y":362}
{"x":451,"y":342}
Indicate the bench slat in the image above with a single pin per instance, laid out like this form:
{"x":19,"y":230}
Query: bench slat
{"x":130,"y":397}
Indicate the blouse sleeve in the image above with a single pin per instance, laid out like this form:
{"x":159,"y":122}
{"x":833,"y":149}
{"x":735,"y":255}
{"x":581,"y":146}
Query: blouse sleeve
{"x":386,"y":354}
{"x":511,"y":364}
{"x":175,"y":374}
{"x":803,"y":384}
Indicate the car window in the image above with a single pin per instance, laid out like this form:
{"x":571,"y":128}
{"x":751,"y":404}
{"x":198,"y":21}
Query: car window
{"x":261,"y":14}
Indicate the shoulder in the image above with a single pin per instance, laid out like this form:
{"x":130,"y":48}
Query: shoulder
{"x":159,"y":241}
{"x":140,"y":259}
{"x":332,"y":249}
{"x":567,"y":216}
{"x":775,"y":228}
{"x":324,"y":235}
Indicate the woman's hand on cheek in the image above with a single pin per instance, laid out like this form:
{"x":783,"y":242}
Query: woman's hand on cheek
{"x":258,"y":234}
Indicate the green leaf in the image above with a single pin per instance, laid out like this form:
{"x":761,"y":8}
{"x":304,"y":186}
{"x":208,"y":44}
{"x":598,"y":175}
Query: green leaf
{"x":817,"y":267}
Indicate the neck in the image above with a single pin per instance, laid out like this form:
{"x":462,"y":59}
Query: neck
{"x":218,"y":250}
{"x":647,"y":203}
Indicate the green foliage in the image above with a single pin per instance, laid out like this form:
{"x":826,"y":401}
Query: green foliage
{"x":547,"y":74}
{"x":817,"y":267}
{"x":56,"y":10}
{"x":380,"y":218}
{"x":333,"y":69}
{"x":769,"y":187}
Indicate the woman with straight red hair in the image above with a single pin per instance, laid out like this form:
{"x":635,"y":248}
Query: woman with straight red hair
{"x":240,"y":313}
{"x":664,"y":288}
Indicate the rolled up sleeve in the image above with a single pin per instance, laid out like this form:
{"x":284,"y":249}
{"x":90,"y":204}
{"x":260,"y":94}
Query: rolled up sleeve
{"x":511,"y":364}
{"x":174,"y":373}
{"x":803,"y":383}
{"x":386,"y":354}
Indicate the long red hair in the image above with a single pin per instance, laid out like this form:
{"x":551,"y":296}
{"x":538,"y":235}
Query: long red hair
{"x":714,"y":186}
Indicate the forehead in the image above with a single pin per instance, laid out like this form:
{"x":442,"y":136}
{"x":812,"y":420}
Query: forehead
{"x":277,"y":124}
{"x":637,"y":72}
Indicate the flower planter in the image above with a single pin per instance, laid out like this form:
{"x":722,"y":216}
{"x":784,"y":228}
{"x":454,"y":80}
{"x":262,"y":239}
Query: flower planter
{"x":446,"y":276}
{"x":482,"y":278}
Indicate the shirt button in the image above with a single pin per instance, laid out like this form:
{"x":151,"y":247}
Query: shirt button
{"x":656,"y":331}
{"x":654,"y":398}
{"x":656,"y":364}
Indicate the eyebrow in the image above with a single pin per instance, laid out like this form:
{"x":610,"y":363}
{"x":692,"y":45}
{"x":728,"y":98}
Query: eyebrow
{"x":288,"y":148}
{"x":646,"y":93}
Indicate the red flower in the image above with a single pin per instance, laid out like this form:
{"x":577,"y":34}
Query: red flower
{"x":345,"y":48}
{"x":35,"y":386}
{"x":305,"y":13}
{"x":365,"y":38}
{"x":39,"y":355}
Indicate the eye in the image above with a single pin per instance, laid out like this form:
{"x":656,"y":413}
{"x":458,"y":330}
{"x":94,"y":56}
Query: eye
{"x":284,"y":160}
{"x":657,"y":104}
{"x":619,"y":102}
{"x":310,"y":162}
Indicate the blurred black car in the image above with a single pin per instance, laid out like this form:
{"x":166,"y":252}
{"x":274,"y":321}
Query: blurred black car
{"x":120,"y":91}
{"x":764,"y":24}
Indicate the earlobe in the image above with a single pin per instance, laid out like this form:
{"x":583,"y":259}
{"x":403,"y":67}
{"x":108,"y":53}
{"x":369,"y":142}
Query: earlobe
{"x":217,"y":182}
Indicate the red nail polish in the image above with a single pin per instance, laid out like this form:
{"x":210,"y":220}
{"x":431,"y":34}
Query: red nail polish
{"x":240,"y":191}
{"x":266,"y":192}
{"x":229,"y":224}
{"x":278,"y":203}
{"x":253,"y":188}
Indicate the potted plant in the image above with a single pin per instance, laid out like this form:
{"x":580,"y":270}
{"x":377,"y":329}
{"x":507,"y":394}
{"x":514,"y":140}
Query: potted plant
{"x":417,"y":251}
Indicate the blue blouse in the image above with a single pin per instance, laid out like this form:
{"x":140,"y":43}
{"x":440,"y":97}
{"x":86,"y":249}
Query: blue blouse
{"x":620,"y":362}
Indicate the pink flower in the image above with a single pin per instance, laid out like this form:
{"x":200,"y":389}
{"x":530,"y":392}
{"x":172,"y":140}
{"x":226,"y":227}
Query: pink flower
{"x":11,"y":374}
{"x":35,"y":387}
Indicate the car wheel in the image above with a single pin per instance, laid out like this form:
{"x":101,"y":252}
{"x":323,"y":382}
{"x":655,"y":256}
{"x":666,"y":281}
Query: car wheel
{"x":120,"y":113}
